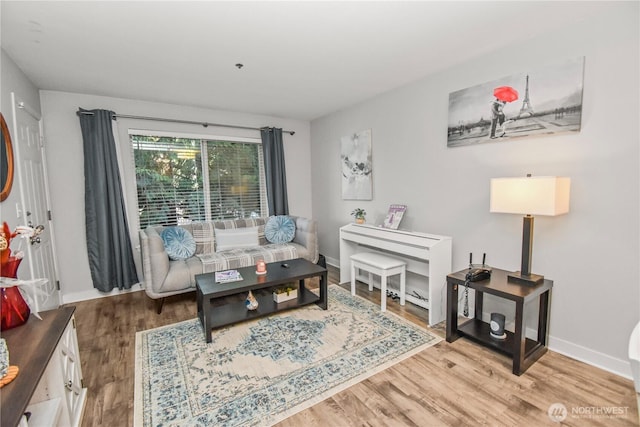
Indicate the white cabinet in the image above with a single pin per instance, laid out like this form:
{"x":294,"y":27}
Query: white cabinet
{"x":428,"y":258}
{"x":74,"y":389}
{"x":49,"y":385}
{"x":61,"y":383}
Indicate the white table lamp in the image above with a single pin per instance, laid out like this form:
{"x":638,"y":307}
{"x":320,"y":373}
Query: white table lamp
{"x":540,"y":195}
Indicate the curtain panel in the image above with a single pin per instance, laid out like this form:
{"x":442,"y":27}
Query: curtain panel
{"x":108,"y":245}
{"x":276,"y":176}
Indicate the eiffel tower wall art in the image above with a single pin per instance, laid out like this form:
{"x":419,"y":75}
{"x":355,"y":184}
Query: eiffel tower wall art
{"x":534,"y":103}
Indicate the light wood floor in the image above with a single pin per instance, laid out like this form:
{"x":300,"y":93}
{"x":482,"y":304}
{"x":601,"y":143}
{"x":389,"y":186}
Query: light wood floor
{"x":457,"y":384}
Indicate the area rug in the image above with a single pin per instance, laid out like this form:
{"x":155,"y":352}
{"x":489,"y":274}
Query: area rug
{"x":262,"y":371}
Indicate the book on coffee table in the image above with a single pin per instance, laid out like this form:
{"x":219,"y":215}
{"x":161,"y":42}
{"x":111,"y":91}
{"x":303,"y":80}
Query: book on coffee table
{"x":228,"y":276}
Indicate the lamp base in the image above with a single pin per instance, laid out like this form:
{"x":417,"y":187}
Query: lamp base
{"x":525,"y":279}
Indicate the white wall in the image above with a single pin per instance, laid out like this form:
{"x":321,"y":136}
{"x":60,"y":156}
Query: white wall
{"x":591,"y":254}
{"x":65,"y":158}
{"x":14,"y":80}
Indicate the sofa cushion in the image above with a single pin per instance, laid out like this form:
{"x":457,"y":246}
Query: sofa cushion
{"x":203,"y":234}
{"x":181,"y":275}
{"x":238,"y":258}
{"x":236,"y":238}
{"x":280,"y":229}
{"x":178,"y":243}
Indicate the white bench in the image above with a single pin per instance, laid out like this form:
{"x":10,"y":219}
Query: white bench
{"x":383,"y":266}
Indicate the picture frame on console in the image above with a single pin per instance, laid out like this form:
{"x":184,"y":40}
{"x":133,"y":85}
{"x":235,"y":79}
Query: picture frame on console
{"x":394,"y":216}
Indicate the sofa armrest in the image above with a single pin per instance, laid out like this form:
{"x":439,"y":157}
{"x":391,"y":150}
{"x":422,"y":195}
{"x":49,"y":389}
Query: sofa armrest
{"x":155,"y":261}
{"x":307,"y":236}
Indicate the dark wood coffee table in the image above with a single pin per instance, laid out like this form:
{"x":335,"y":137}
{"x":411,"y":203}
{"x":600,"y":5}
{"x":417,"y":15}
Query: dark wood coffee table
{"x":278,"y":273}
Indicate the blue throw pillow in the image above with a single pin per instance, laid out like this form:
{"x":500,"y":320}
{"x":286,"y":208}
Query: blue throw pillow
{"x":280,"y":229}
{"x":178,"y":243}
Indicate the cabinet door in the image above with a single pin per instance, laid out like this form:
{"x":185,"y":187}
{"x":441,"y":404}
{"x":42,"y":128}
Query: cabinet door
{"x":75,"y":392}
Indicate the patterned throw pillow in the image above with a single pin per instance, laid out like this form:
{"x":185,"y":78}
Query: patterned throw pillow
{"x":280,"y":229}
{"x":178,"y":243}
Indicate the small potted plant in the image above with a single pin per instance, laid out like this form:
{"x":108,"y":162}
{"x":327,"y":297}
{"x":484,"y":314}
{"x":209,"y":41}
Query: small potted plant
{"x":284,"y":294}
{"x":359,"y":214}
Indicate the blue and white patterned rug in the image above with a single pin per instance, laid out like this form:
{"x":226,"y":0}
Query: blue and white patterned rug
{"x":260,"y":372}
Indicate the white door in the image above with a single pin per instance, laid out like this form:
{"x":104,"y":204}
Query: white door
{"x":34,"y":208}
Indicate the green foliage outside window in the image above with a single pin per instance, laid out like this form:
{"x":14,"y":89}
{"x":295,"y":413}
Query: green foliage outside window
{"x":171,"y":182}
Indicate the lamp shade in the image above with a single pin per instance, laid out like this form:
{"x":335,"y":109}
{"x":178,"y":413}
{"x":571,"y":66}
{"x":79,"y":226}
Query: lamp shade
{"x":538,"y":195}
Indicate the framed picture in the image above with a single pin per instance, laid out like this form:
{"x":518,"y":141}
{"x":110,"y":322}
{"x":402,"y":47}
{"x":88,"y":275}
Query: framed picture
{"x":355,"y":158}
{"x":537,"y":102}
{"x":394,"y":216}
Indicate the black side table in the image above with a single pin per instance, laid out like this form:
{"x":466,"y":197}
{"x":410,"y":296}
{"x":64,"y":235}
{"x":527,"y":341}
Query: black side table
{"x":524,"y":351}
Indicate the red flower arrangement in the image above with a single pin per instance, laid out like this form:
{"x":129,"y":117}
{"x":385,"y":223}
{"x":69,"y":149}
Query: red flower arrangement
{"x":14,"y":309}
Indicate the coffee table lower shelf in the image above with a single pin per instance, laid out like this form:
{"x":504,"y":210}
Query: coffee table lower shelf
{"x":236,"y":311}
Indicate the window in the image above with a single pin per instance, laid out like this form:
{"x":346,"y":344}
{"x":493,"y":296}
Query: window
{"x":181,"y":179}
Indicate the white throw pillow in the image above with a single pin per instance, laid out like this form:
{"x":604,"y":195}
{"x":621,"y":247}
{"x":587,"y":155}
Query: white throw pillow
{"x":236,"y":238}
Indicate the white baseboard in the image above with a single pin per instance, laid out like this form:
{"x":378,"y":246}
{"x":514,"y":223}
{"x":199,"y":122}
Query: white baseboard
{"x":584,"y":354}
{"x":611,"y":364}
{"x":94,"y":293}
{"x":333,"y":262}
{"x":574,"y":351}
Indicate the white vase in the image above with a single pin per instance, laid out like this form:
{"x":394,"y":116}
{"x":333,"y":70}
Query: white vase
{"x":251,"y":302}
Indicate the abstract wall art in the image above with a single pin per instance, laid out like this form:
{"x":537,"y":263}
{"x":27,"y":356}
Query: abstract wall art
{"x":357,"y":168}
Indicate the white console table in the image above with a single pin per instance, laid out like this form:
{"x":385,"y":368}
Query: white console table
{"x":49,"y":385}
{"x":428,"y":257}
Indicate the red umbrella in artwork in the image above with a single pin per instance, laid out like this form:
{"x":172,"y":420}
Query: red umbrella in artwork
{"x":505,"y":93}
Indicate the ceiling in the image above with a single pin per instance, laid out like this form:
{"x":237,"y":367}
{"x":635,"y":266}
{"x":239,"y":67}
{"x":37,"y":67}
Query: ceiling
{"x":302,"y":60}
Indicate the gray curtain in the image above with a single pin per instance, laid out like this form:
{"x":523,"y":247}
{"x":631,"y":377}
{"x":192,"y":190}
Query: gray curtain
{"x":108,"y":244}
{"x":275,"y":172}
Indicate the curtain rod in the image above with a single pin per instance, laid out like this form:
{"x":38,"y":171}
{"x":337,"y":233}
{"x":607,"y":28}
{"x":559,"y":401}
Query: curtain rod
{"x":189,"y":122}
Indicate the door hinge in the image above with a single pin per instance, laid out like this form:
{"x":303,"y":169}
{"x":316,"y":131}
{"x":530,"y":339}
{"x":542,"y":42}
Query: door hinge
{"x":49,"y":215}
{"x":73,"y":320}
{"x":58,"y":285}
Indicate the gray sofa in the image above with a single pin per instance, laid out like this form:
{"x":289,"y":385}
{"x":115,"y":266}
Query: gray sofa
{"x":164,"y":277}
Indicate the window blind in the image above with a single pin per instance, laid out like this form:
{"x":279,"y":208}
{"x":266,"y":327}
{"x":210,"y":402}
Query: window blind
{"x":180,"y":180}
